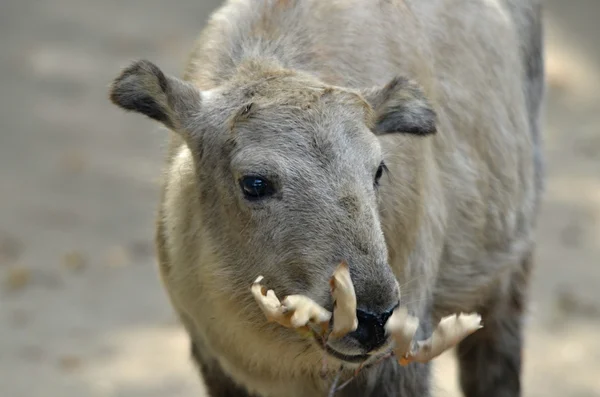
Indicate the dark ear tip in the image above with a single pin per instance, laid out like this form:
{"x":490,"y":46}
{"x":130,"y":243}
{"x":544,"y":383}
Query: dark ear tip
{"x":142,"y":66}
{"x":402,"y":106}
{"x":138,"y":68}
{"x":398,"y":82}
{"x":430,"y":128}
{"x":134,"y":77}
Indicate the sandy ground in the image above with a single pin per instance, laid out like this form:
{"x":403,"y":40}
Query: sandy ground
{"x":82,"y":312}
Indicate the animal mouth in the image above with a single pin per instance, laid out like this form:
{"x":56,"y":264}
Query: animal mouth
{"x":344,"y":357}
{"x":354,"y":359}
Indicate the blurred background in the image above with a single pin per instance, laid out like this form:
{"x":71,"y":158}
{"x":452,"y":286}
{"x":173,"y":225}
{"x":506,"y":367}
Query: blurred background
{"x":82,"y":312}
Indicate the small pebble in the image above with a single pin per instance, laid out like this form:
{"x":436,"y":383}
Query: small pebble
{"x":72,"y":161}
{"x":118,"y":257}
{"x":569,"y":303}
{"x":70,"y":363}
{"x":17,"y":278}
{"x":141,"y":249}
{"x":74,"y":261}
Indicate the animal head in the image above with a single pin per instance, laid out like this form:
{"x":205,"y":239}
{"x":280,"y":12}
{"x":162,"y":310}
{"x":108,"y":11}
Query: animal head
{"x":288,"y":172}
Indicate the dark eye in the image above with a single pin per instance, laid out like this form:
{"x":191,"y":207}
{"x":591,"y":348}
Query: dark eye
{"x":379,"y":173}
{"x":256,"y":187}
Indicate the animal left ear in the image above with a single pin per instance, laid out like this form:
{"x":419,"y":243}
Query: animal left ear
{"x":401,"y":106}
{"x":143,"y":88}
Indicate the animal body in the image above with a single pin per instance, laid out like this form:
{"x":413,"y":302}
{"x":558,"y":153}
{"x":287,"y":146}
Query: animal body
{"x":400,"y":136}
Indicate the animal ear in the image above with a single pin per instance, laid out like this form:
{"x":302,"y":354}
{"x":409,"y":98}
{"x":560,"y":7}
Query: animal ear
{"x":401,"y":106}
{"x":142,"y":87}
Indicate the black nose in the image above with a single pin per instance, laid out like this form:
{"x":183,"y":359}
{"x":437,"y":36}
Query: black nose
{"x":371,"y":329}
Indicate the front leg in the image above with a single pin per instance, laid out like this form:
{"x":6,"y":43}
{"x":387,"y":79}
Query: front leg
{"x":218,"y":384}
{"x":490,"y":359}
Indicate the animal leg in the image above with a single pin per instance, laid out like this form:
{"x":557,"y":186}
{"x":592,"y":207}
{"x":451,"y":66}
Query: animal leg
{"x":218,"y":384}
{"x":490,"y":360}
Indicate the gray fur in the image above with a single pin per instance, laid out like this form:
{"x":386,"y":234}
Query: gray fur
{"x":313,"y":95}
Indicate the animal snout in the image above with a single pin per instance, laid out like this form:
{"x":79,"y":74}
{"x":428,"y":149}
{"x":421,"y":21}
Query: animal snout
{"x":370,"y":332}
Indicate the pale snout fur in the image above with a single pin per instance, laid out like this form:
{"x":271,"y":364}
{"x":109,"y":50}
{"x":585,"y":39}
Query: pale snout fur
{"x":401,"y":136}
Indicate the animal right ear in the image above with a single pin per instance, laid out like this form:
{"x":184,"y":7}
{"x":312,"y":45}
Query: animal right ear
{"x":143,"y":88}
{"x":401,"y":107}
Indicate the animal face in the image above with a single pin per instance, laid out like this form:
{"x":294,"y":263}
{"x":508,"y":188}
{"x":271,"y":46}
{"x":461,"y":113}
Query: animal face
{"x":288,"y":171}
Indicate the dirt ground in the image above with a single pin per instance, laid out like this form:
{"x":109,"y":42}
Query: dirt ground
{"x":82,"y":312}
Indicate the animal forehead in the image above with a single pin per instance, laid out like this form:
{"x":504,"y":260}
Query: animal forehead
{"x":323,"y":131}
{"x":288,"y":91}
{"x":317,"y":151}
{"x":282,"y":87}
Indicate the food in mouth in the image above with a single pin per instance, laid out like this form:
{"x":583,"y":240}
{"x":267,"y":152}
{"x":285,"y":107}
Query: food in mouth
{"x":305,"y":315}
